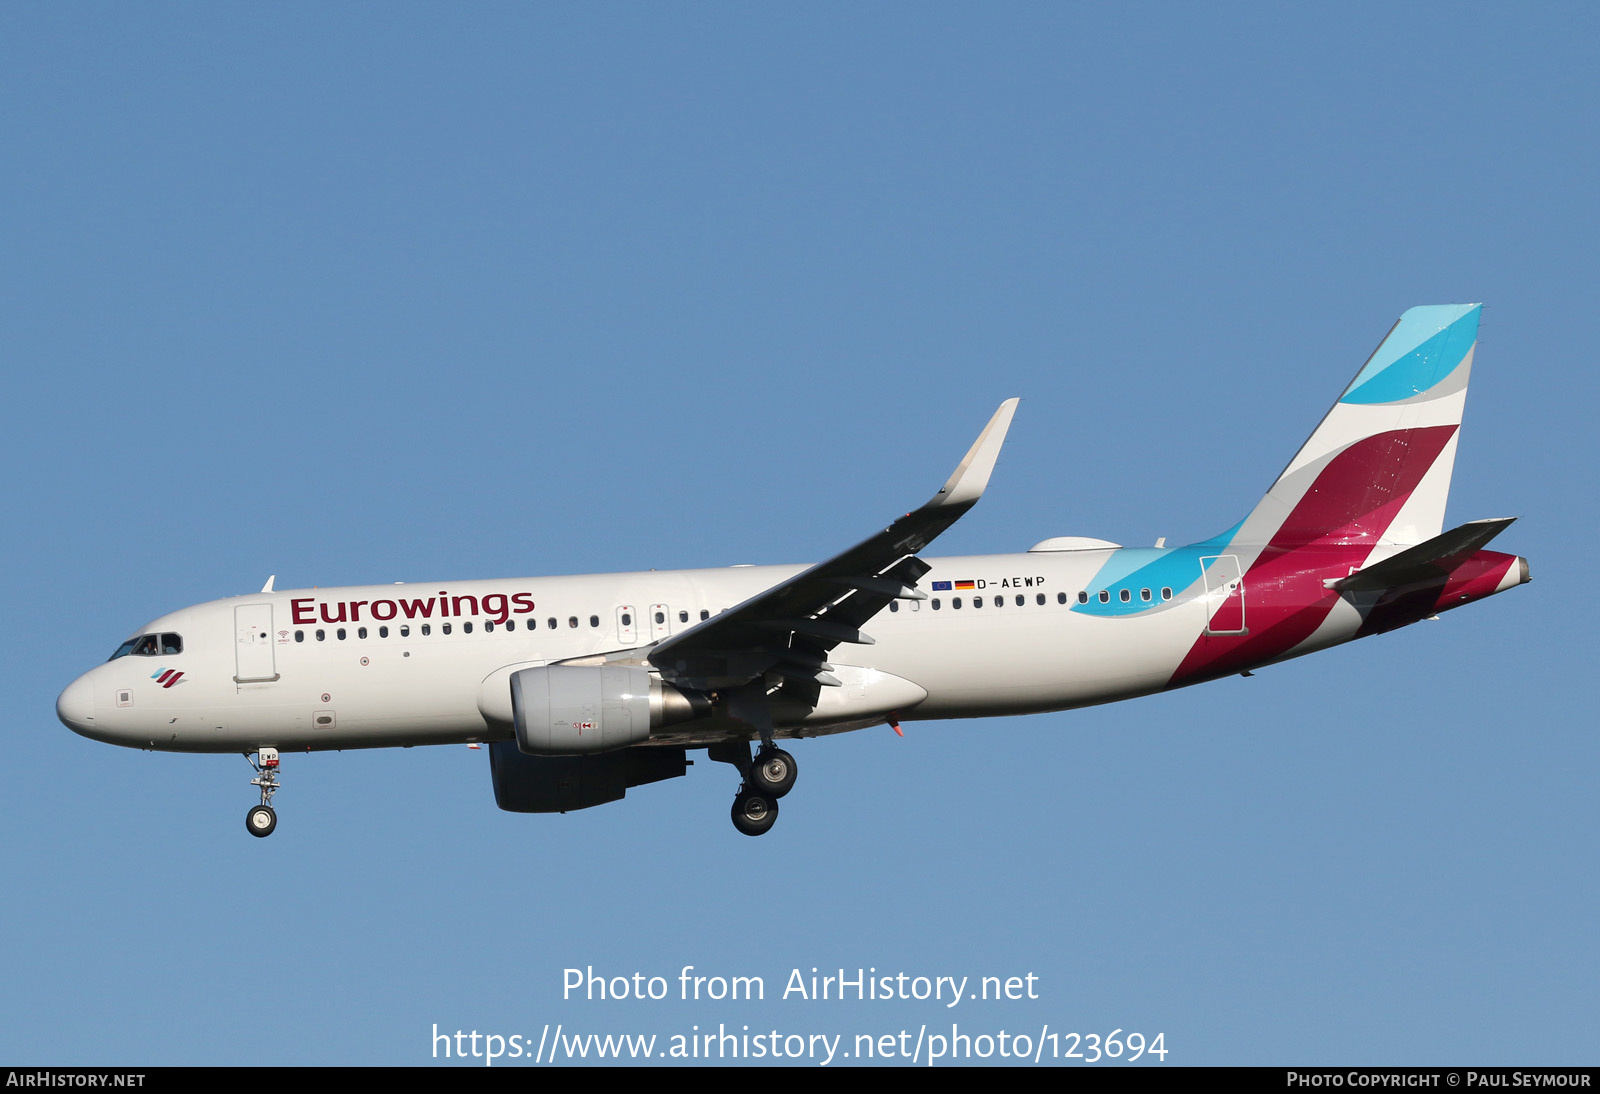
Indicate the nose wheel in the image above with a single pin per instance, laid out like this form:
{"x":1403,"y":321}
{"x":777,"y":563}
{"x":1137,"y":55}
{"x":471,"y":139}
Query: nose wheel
{"x":261,"y":819}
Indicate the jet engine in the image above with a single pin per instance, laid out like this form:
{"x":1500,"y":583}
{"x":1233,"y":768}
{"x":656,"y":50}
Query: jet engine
{"x":575,"y":710}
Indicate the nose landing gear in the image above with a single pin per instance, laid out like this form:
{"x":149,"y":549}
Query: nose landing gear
{"x":261,"y":820}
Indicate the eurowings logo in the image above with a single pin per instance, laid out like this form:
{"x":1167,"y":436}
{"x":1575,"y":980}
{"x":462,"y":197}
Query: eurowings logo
{"x":166,"y":677}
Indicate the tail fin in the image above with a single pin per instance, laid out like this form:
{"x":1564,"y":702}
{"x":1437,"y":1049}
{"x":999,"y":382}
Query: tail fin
{"x":1377,"y":470}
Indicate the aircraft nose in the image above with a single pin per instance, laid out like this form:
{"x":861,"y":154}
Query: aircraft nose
{"x":75,"y":707}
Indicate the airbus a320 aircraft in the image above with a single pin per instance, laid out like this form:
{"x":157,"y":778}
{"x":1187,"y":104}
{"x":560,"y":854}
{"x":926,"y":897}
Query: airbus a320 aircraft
{"x":583,"y":687}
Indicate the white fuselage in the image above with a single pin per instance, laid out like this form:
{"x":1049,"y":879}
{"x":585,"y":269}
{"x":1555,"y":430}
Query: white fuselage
{"x":332,"y":668}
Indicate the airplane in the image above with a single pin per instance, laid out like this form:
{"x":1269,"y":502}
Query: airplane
{"x":583,"y":687}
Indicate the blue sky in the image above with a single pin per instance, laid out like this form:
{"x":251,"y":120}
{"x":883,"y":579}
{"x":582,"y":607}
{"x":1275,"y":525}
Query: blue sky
{"x":428,"y":293}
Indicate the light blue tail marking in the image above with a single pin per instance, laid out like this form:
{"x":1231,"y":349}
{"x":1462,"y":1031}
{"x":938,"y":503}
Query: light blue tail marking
{"x":1424,"y":347}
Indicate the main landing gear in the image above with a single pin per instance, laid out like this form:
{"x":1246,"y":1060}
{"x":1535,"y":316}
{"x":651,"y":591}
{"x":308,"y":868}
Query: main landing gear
{"x":261,"y":820}
{"x":768,"y":777}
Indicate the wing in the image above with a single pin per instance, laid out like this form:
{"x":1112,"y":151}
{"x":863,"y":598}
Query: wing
{"x":788,"y":630}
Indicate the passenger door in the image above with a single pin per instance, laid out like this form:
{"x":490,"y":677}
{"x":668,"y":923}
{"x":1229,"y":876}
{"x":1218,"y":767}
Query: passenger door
{"x":254,"y":658}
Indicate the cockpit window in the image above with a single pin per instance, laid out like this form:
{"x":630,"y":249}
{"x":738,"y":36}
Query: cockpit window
{"x":150,"y":645}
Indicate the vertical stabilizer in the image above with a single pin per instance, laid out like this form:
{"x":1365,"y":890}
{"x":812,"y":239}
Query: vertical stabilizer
{"x":1377,"y":470}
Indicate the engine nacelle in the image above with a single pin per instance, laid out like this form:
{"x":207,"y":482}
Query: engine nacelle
{"x":557,"y":784}
{"x":575,"y":710}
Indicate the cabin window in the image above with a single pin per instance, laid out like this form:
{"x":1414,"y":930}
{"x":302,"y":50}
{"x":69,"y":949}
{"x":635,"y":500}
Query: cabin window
{"x":340,"y":633}
{"x":511,"y":624}
{"x":1126,"y":595}
{"x":405,"y":630}
{"x":683,"y":617}
{"x":1105,"y":597}
{"x":894,"y":605}
{"x":1021,"y":600}
{"x":488,"y":626}
{"x":1083,"y":598}
{"x":955,"y":602}
{"x":594,"y":621}
{"x":552,"y":622}
{"x":977,"y":602}
{"x":704,"y":615}
{"x":427,"y":629}
{"x":1144,"y":594}
{"x":383,"y":632}
{"x":935,"y":603}
{"x":1000,"y":601}
{"x":299,"y":636}
{"x":466,"y":628}
{"x":1166,"y":593}
{"x":321,"y":635}
{"x":444,"y":628}
{"x":1039,"y":599}
{"x":627,"y":618}
{"x":572,"y":621}
{"x":361,"y":633}
{"x":661,"y":617}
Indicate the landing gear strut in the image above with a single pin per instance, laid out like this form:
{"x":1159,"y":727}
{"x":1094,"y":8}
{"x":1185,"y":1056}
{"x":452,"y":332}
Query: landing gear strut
{"x":261,"y":820}
{"x":767,"y":777}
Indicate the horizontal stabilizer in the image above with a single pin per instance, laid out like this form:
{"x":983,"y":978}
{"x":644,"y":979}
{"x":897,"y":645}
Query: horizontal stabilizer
{"x":1436,"y":558}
